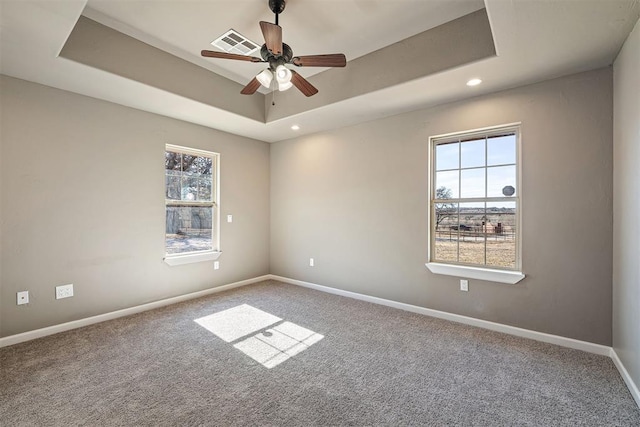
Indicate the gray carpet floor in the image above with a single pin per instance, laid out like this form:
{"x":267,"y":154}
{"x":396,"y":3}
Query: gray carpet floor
{"x":375,"y":366}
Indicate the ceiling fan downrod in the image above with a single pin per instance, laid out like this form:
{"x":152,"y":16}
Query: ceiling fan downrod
{"x":277,"y":6}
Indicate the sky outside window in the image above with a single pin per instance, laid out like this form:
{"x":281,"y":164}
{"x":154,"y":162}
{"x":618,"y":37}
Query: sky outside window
{"x":477,"y":168}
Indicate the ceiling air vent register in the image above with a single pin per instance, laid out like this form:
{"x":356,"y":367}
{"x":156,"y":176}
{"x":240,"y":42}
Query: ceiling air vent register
{"x":234,"y":42}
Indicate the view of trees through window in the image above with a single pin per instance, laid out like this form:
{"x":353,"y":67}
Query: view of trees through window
{"x":189,"y":195}
{"x":475,"y":201}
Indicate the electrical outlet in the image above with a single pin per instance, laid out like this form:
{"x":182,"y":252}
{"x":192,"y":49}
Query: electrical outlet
{"x":216,"y":265}
{"x":23,"y":297}
{"x":311,"y":263}
{"x":464,"y":285}
{"x":64,"y":291}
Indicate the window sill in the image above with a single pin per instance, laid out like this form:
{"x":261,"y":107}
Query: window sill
{"x":490,"y":275}
{"x":191,"y":258}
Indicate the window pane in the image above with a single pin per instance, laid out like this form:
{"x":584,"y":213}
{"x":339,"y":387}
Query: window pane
{"x":188,"y":229}
{"x":501,"y":234}
{"x":447,"y":156}
{"x":472,"y":233}
{"x":172,"y":161}
{"x":187,"y":162}
{"x":472,"y":183}
{"x":172,"y":184}
{"x":501,"y":150}
{"x":501,"y":181}
{"x":199,"y":165}
{"x":204,"y":189}
{"x":173,"y":168}
{"x":449,"y":181}
{"x":446,"y":233}
{"x":189,"y":187}
{"x":472,"y":154}
{"x":446,"y":215}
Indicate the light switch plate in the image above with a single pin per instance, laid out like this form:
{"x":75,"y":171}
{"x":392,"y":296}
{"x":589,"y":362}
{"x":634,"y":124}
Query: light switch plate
{"x":229,"y":218}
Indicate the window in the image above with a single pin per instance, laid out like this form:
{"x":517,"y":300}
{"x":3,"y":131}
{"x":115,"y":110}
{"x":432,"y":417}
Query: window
{"x":475,"y":204}
{"x":191,"y":199}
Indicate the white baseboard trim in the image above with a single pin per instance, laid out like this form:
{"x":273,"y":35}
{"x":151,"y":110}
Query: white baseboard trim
{"x":498,"y":327}
{"x":50,"y":330}
{"x":633,"y":388}
{"x":589,"y":347}
{"x":602,"y":350}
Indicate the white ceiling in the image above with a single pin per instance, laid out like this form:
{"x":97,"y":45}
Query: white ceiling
{"x":535,"y":40}
{"x":352,"y":27}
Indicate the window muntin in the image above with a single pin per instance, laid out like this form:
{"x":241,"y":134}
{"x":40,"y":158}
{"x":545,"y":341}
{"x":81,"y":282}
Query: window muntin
{"x":474,"y":203}
{"x":191,"y":201}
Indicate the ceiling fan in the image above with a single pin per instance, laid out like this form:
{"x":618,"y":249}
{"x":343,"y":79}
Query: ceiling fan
{"x":278,"y":54}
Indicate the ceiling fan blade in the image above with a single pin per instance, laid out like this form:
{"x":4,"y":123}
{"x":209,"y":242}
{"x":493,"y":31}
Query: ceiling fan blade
{"x":251,"y":88}
{"x":224,"y":55}
{"x":272,"y":37}
{"x":303,"y":84}
{"x":330,"y":60}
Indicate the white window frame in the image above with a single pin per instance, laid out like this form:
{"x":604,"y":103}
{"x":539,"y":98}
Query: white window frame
{"x":208,"y":255}
{"x":509,"y":276}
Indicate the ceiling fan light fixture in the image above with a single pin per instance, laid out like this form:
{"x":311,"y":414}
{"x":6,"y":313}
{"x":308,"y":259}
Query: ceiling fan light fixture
{"x":283,"y":77}
{"x":265,"y":78}
{"x":284,"y":86}
{"x":283,"y":74}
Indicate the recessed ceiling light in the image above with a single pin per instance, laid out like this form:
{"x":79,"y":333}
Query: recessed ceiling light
{"x":295,"y":127}
{"x":474,"y":82}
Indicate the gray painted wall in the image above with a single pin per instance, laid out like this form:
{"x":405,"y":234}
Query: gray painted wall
{"x":83,"y":202}
{"x":104,"y":48}
{"x":452,"y":44}
{"x":355,"y":199}
{"x":626,"y":206}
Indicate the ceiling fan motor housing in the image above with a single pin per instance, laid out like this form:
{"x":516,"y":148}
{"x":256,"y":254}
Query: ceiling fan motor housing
{"x":274,"y":61}
{"x":277,"y":6}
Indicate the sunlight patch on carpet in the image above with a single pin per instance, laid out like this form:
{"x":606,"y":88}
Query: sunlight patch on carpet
{"x":237,"y":322}
{"x":274,"y":346}
{"x":269,"y":347}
